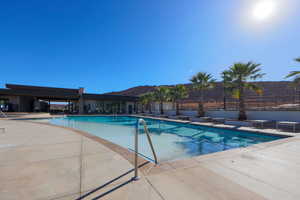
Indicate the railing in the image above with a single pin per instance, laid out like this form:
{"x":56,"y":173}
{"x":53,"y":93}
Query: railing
{"x":136,"y":149}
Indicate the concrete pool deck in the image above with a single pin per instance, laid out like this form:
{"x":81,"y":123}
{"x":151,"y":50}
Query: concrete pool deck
{"x":40,"y":161}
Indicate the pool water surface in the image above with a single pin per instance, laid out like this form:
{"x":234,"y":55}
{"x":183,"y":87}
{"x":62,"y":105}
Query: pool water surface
{"x":171,"y":140}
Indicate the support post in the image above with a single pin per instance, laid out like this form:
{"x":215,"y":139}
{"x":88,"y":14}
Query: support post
{"x":49,"y":104}
{"x":136,"y":139}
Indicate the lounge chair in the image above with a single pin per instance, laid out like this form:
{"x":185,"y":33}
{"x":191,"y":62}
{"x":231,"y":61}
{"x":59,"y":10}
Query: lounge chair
{"x":259,"y":122}
{"x":200,"y":119}
{"x":218,"y":120}
{"x":172,"y":116}
{"x":207,"y":119}
{"x":235,"y":122}
{"x":183,"y":117}
{"x":287,"y":123}
{"x":162,"y":116}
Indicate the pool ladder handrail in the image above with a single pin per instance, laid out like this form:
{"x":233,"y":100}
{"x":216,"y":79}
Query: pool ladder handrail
{"x":136,"y":150}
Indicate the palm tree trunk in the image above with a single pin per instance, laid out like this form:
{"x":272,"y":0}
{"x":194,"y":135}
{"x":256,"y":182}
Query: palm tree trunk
{"x":201,"y":112}
{"x":150,"y":110}
{"x":242,"y":108}
{"x":177,"y":108}
{"x":161,"y":108}
{"x":224,"y":98}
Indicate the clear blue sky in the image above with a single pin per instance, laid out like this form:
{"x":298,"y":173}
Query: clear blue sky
{"x":110,"y":45}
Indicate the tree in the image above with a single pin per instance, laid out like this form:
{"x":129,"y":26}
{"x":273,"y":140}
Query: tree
{"x":176,"y":93}
{"x":227,"y":86}
{"x":239,"y":75}
{"x":295,"y":74}
{"x":161,"y":94}
{"x":202,"y":81}
{"x":143,"y":100}
{"x":146,"y":100}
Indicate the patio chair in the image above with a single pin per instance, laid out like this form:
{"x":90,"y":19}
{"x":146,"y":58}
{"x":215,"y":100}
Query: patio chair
{"x":287,"y":123}
{"x":2,"y":114}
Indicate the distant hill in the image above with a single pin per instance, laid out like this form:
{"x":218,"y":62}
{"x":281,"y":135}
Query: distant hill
{"x":134,"y":91}
{"x":281,"y":90}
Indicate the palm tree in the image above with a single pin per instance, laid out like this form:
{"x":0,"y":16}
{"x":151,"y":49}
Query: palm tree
{"x":295,"y":74}
{"x":146,"y":100}
{"x":176,"y":93}
{"x":296,"y":81}
{"x":161,"y":94}
{"x":202,"y":81}
{"x":239,"y":75}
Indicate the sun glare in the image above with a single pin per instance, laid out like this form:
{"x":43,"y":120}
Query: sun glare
{"x":264,"y":10}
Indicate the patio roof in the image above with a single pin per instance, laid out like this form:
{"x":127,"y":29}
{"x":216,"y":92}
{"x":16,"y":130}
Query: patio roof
{"x":54,"y":93}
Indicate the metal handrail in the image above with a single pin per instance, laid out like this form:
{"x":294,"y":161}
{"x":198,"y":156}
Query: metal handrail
{"x":136,"y":149}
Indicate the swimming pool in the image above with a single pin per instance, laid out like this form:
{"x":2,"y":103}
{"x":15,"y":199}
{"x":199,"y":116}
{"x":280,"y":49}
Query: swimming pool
{"x":171,"y":140}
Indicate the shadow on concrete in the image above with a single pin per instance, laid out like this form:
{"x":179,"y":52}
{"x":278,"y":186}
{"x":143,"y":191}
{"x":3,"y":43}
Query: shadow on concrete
{"x":110,"y":182}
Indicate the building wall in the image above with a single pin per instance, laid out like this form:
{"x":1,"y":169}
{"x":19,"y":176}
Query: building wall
{"x":26,"y":104}
{"x":167,"y":106}
{"x":128,"y":104}
{"x":106,"y":107}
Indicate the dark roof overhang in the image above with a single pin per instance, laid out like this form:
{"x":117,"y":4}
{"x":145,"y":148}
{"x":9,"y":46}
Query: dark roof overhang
{"x":39,"y":88}
{"x":40,"y":94}
{"x":105,"y":97}
{"x":53,"y":93}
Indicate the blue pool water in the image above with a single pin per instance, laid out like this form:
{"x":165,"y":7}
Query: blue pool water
{"x":171,"y":140}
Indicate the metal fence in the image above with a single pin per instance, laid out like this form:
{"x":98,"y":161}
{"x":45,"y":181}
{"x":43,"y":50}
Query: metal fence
{"x":286,"y":103}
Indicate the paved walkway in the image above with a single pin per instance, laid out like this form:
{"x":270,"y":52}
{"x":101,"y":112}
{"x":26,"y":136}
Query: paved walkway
{"x":264,"y":171}
{"x":45,"y":162}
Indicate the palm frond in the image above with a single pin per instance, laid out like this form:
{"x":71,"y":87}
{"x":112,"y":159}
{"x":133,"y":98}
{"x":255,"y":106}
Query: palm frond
{"x":293,"y":73}
{"x":257,"y":76}
{"x":162,"y":93}
{"x":178,"y":92}
{"x":202,"y":81}
{"x":238,"y":76}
